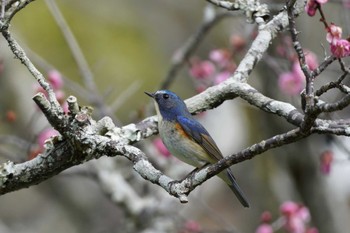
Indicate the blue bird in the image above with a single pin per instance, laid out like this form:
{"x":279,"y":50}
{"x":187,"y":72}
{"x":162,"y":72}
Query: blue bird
{"x":187,"y":139}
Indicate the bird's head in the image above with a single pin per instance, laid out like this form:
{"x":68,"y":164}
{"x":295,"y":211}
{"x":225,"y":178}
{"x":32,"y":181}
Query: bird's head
{"x":168,"y":104}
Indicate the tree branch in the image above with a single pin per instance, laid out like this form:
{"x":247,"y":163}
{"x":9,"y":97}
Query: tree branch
{"x":251,"y":8}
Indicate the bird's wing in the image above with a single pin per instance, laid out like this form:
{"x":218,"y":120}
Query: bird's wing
{"x":200,"y":135}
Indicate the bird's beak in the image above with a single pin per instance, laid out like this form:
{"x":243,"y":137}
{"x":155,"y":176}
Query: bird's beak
{"x":149,"y":94}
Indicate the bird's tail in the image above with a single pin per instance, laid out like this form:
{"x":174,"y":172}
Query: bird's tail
{"x":232,"y":183}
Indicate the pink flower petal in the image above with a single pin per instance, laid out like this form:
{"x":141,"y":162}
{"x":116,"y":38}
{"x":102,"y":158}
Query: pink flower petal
{"x":288,"y":208}
{"x":326,"y":161}
{"x":222,"y":76}
{"x":264,"y":228}
{"x":311,"y":60}
{"x":266,"y":216}
{"x":340,"y":48}
{"x":303,"y":213}
{"x":202,"y":69}
{"x":55,"y":79}
{"x":334,"y":33}
{"x":311,"y":7}
{"x":238,"y":42}
{"x":192,"y":226}
{"x":312,"y":230}
{"x":220,"y":56}
{"x":290,"y":83}
{"x":295,"y":225}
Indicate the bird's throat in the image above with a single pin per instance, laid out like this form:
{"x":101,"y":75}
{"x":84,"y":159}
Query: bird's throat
{"x":160,"y":117}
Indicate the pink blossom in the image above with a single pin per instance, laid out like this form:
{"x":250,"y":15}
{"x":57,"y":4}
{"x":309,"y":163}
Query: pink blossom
{"x":55,"y":79}
{"x":264,"y":228}
{"x":311,"y":60}
{"x":291,"y":83}
{"x":222,"y":76}
{"x":200,"y":88}
{"x":37,"y":88}
{"x":281,"y":50}
{"x":230,"y":67}
{"x":202,"y":69}
{"x":11,"y":116}
{"x":334,"y":33}
{"x":192,"y":226}
{"x":294,"y":224}
{"x":65,"y":107}
{"x":266,"y":216}
{"x":304,"y":213}
{"x":238,"y":42}
{"x":297,"y":71}
{"x":346,"y":4}
{"x":289,"y":208}
{"x":326,"y":161}
{"x":311,"y":7}
{"x":296,"y":217}
{"x":220,"y":56}
{"x":312,"y":230}
{"x":44,"y":135}
{"x":340,"y":48}
{"x":161,"y":147}
{"x":60,"y":96}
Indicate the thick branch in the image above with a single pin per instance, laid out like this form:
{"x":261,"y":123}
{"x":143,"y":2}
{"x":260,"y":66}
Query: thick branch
{"x":251,"y":8}
{"x":86,"y":140}
{"x":198,"y":177}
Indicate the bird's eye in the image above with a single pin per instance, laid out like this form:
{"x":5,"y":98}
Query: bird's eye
{"x":165,"y":96}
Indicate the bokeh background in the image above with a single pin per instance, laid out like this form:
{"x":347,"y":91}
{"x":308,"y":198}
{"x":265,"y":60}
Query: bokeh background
{"x":129,"y":46}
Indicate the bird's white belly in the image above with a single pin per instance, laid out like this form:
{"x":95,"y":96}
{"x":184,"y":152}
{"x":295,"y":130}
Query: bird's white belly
{"x":187,"y":151}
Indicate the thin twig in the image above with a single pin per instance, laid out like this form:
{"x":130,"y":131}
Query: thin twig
{"x":3,"y":5}
{"x":73,"y":45}
{"x":326,"y":62}
{"x":308,"y":98}
{"x":298,"y":48}
{"x":323,"y":18}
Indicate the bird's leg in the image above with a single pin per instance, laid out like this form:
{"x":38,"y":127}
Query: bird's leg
{"x":192,"y":173}
{"x":183,"y":195}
